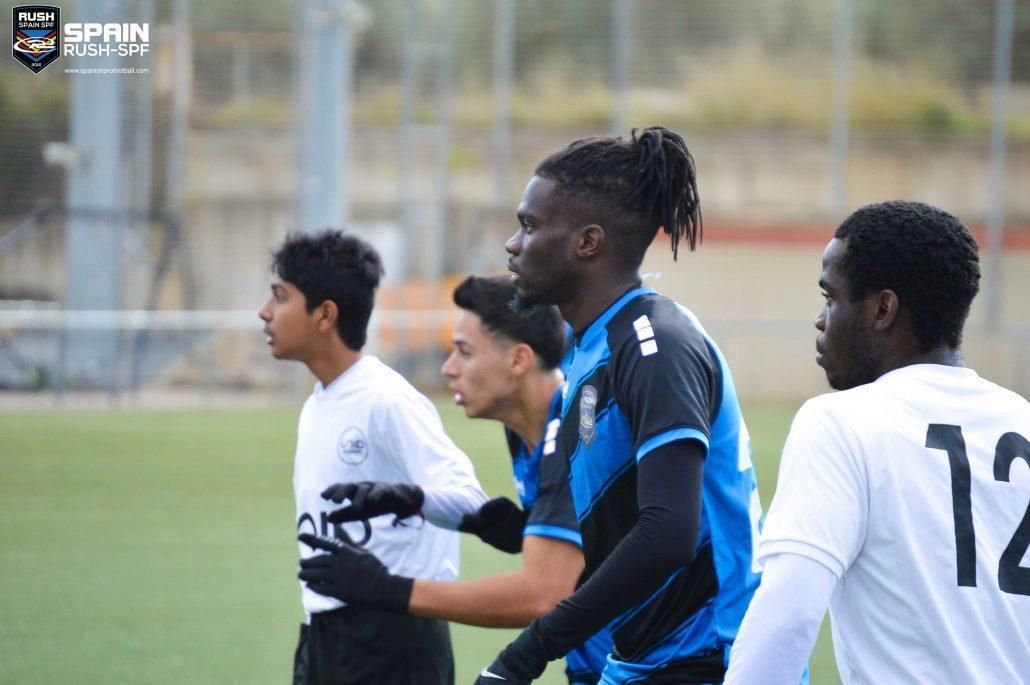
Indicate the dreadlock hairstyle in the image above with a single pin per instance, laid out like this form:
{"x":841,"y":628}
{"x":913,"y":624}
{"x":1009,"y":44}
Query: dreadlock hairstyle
{"x":640,"y":185}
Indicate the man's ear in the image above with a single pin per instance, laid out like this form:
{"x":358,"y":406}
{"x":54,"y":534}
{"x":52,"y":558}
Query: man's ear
{"x":886,"y":308}
{"x":326,"y":316}
{"x":590,"y":239}
{"x":521,"y":359}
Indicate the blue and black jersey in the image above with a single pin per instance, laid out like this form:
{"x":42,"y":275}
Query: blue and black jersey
{"x":645,"y":375}
{"x":542,"y":483}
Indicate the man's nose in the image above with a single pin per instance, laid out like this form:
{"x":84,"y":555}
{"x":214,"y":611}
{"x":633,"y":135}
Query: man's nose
{"x":448,"y":369}
{"x":513,"y":244}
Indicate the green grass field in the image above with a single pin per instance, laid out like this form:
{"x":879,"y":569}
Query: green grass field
{"x":158,"y":546}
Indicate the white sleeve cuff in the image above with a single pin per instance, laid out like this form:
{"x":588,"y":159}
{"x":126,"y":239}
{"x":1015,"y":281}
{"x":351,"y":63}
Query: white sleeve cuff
{"x":445,"y":506}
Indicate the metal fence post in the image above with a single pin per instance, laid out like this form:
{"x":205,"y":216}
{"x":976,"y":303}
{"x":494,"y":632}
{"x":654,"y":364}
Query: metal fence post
{"x":504,"y":52}
{"x":840,"y":128}
{"x":322,"y":121}
{"x":997,"y":159}
{"x":95,"y":203}
{"x":622,"y":30}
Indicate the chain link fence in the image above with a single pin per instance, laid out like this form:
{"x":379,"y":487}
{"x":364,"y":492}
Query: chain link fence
{"x":797,"y":112}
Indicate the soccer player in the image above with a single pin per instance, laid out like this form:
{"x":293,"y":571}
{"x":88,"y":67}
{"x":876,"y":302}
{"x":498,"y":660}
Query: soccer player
{"x":661,"y":473}
{"x":504,"y":366}
{"x":363,"y":422}
{"x":902,"y":500}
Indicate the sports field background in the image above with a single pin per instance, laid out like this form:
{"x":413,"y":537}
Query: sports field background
{"x":156,"y":546}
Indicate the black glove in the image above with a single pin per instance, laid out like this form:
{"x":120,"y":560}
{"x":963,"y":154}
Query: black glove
{"x":520,"y":662}
{"x":354,"y":575}
{"x":498,"y":523}
{"x":368,"y":500}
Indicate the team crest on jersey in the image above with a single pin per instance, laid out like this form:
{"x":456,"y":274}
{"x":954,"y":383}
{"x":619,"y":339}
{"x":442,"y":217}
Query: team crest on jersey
{"x":37,"y":36}
{"x":587,"y":408}
{"x":352,"y":448}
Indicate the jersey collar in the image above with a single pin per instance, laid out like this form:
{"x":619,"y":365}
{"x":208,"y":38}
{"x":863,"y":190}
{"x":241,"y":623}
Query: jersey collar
{"x":939,"y":370}
{"x":342,"y":381}
{"x":596,"y":329}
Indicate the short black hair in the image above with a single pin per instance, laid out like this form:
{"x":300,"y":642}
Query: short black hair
{"x":922,"y":253}
{"x":539,"y":326}
{"x":640,"y":185}
{"x":332,"y":266}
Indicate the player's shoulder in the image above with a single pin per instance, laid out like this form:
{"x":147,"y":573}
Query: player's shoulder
{"x":386,"y":389}
{"x":1003,"y":407}
{"x":845,"y":409}
{"x":652,"y":321}
{"x":839,"y":401}
{"x":1003,"y":397}
{"x":860,"y":398}
{"x":832,"y":431}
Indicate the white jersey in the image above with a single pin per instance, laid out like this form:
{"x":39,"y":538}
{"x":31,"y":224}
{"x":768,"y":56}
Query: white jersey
{"x":915,"y":491}
{"x":370,"y":424}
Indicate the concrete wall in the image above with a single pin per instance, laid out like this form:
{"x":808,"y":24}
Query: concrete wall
{"x":758,"y":300}
{"x":760,"y":305}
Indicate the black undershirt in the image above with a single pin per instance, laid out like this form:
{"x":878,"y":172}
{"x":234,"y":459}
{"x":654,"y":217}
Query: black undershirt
{"x":662,"y":540}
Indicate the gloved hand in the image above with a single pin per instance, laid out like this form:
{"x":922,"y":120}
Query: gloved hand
{"x":519,"y":663}
{"x":353,"y":575}
{"x":498,"y":523}
{"x":368,"y":500}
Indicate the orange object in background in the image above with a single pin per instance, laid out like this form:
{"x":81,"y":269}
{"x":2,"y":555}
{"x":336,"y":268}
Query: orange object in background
{"x":410,"y":314}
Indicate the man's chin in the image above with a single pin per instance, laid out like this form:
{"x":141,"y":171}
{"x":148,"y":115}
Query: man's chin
{"x":834,"y":380}
{"x":282,"y":355}
{"x":523,"y":301}
{"x":841,"y":383}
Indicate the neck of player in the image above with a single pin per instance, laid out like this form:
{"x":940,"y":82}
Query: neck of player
{"x":596,"y":294}
{"x":331,"y":361}
{"x":528,"y":415}
{"x":944,"y":356}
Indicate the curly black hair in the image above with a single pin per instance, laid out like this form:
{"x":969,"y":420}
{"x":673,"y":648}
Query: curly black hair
{"x":639,"y":185}
{"x":337,"y":267}
{"x":922,"y":253}
{"x":539,"y":326}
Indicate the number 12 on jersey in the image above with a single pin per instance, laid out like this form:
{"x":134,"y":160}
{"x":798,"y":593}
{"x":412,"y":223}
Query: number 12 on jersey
{"x":1012,"y":577}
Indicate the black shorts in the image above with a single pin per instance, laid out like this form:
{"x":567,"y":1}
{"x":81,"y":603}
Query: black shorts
{"x":709,"y":669}
{"x":351,"y":646}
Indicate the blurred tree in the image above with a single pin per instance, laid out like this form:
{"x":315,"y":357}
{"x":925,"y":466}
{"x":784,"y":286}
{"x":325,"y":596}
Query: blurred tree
{"x":30,"y":117}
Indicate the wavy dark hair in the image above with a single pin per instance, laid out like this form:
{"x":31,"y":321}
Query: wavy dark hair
{"x":337,"y":267}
